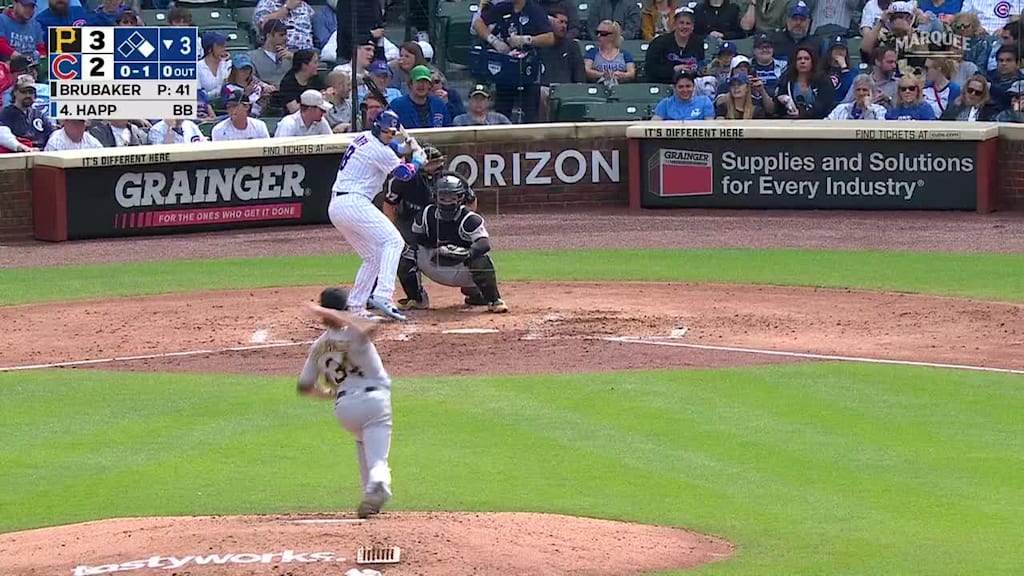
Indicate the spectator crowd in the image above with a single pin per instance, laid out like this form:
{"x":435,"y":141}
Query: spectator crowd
{"x":727,"y":59}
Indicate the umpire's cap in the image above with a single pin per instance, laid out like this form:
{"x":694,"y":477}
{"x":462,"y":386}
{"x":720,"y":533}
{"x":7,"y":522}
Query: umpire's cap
{"x":432,"y":152}
{"x":334,"y":298}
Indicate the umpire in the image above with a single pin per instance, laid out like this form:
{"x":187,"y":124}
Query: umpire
{"x":403,"y":201}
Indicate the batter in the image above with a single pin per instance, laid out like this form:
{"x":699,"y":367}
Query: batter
{"x":369,"y":160}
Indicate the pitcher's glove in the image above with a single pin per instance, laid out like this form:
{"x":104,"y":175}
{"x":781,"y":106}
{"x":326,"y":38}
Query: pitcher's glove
{"x":453,"y":252}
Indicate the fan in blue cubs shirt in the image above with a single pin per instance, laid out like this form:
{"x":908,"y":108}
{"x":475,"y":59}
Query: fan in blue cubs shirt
{"x":61,"y":14}
{"x":685,"y":104}
{"x":910,"y":103}
{"x":835,"y":63}
{"x":20,"y":33}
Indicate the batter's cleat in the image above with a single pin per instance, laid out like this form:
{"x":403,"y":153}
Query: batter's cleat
{"x":373,"y":500}
{"x":386,"y":308}
{"x":365,"y":315}
{"x":497,"y":307}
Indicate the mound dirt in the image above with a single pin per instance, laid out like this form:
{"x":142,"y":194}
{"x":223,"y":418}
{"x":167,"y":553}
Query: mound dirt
{"x":430,"y":543}
{"x":553,"y":327}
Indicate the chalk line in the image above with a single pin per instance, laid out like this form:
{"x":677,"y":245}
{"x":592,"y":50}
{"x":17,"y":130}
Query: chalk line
{"x":72,"y":363}
{"x":808,"y":355}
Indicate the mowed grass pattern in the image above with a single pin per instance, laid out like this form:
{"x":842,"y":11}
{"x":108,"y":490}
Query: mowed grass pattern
{"x":809,"y":469}
{"x":988,"y":276}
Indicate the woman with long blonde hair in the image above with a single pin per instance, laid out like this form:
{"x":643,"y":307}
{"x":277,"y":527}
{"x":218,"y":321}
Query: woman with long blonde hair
{"x":910,"y":104}
{"x":940,"y":89}
{"x":738,"y":103}
{"x":607,"y":63}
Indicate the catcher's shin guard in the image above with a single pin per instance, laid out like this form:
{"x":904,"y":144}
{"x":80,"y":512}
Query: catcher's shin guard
{"x":484,"y":276}
{"x":409,"y":275}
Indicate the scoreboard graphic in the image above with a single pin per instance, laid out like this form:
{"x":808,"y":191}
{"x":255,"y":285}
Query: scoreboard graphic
{"x":123,"y":73}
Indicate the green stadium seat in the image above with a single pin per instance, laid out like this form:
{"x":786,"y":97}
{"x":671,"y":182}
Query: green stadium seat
{"x":243,"y":16}
{"x":212,"y":18}
{"x":745,"y":46}
{"x":583,"y":10}
{"x":638,"y":48}
{"x":615,"y":111}
{"x":579,"y":92}
{"x":271,"y":124}
{"x":585,"y":46}
{"x":154,"y":17}
{"x":639,"y":93}
{"x":853,"y":47}
{"x":206,"y":128}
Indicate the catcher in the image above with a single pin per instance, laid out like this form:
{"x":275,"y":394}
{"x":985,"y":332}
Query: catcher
{"x":452,"y":245}
{"x":343,"y":365}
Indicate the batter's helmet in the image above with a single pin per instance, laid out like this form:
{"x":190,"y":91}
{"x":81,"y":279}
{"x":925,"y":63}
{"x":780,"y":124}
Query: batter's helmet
{"x":334,"y":298}
{"x":386,"y":120}
{"x":450,"y":192}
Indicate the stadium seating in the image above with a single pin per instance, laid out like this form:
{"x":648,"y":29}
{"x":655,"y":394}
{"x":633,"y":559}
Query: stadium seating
{"x":243,"y":16}
{"x":640,"y":93}
{"x":615,"y":111}
{"x":155,"y":17}
{"x":213,"y":18}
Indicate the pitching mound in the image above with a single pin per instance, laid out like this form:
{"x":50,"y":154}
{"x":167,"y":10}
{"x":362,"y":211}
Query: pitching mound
{"x":431,"y":543}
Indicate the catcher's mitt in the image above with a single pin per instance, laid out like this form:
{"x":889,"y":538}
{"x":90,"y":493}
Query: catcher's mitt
{"x":453,"y":252}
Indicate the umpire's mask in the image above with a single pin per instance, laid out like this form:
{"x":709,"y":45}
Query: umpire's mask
{"x":450,"y":191}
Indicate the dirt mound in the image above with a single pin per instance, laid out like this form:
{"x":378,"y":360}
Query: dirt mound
{"x":431,"y":543}
{"x":553,"y":327}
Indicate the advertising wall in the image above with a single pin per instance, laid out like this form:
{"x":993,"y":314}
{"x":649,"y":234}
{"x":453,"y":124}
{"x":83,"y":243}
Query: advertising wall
{"x":837,"y":174}
{"x":815,"y":165}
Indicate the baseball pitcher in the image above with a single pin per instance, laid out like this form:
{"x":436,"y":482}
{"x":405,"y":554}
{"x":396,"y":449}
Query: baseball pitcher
{"x":453,"y":245}
{"x":343,"y":365}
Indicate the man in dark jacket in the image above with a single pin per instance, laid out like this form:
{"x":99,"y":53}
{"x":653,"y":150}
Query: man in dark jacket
{"x":683,"y":50}
{"x":574,"y":29}
{"x":720,"y":19}
{"x":563,"y":62}
{"x":797,"y":32}
{"x":118,"y":133}
{"x":22,"y":117}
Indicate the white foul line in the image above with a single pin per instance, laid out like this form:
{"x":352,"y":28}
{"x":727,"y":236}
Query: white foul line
{"x":633,"y":340}
{"x":72,"y":363}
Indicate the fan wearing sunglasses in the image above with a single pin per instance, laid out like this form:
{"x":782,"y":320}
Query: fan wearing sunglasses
{"x":973,"y":105}
{"x":910,"y":104}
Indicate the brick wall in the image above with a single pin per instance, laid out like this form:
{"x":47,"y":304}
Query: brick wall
{"x":1011,"y":175}
{"x":527,"y":175}
{"x":15,"y":204}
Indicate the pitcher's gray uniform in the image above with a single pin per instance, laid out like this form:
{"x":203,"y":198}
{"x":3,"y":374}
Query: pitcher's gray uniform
{"x":346,"y":358}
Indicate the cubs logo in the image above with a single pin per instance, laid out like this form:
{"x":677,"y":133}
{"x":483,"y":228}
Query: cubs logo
{"x":197,"y":138}
{"x":438,"y":120}
{"x":1002,"y":9}
{"x":79,"y":23}
{"x":37,"y":123}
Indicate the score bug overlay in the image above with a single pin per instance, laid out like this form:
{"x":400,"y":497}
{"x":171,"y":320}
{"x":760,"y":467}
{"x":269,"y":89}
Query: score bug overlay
{"x":123,"y":73}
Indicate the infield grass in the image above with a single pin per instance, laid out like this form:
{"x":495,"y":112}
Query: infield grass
{"x":825,"y":469}
{"x":987,"y":276}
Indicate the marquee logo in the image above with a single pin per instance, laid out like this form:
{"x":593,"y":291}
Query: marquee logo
{"x":681,"y":173}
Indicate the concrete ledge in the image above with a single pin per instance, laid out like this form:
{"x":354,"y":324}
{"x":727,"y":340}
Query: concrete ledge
{"x":816,"y":130}
{"x":1011,"y":131}
{"x":15,"y":161}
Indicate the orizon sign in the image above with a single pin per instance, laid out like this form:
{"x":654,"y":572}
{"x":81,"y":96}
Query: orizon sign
{"x":539,"y":168}
{"x":831,"y":174}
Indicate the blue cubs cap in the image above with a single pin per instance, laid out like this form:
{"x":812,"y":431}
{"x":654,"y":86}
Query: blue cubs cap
{"x":762,"y":39}
{"x":836,"y":41}
{"x":380,"y":67}
{"x":26,"y":2}
{"x":213,"y":38}
{"x":727,"y":48}
{"x":241,"y":60}
{"x":800,"y":10}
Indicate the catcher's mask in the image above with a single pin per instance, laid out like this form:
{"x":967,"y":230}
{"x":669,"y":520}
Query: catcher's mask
{"x":450,"y":191}
{"x":434,"y":155}
{"x":334,"y":298}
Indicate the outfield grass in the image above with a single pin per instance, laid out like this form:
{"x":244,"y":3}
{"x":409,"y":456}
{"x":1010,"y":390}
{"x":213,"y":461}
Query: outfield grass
{"x":810,"y":469}
{"x":988,"y":276}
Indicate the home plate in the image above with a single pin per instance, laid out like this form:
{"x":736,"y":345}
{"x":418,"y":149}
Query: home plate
{"x":330,"y":521}
{"x":471,"y":331}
